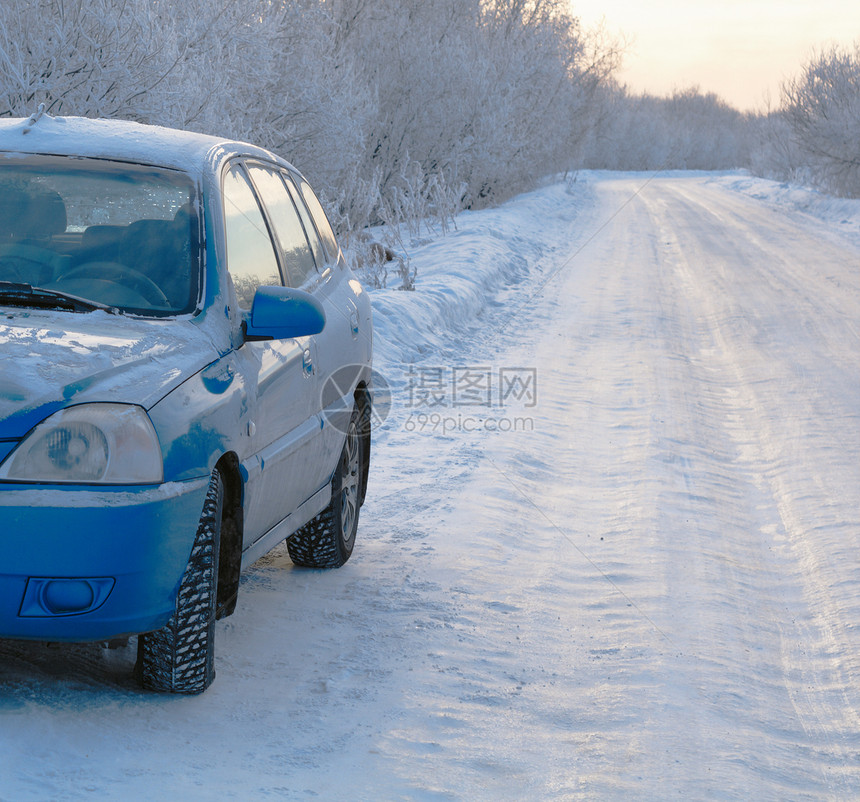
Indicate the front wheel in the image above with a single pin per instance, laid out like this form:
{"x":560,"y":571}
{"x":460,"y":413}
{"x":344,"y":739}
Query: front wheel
{"x":327,"y":540}
{"x":180,"y":657}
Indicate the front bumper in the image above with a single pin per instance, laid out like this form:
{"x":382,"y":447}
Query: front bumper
{"x":87,"y":565}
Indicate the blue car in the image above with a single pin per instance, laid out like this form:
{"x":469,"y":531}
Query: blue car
{"x":185,"y":365}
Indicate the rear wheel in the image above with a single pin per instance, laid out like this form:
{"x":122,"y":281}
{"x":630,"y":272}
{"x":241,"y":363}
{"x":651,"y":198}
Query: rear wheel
{"x":180,"y":657}
{"x":327,"y":541}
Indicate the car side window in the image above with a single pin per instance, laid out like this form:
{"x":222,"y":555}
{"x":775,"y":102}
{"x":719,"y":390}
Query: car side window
{"x":313,"y":237}
{"x":320,"y":218}
{"x":251,"y":258}
{"x":298,"y":260}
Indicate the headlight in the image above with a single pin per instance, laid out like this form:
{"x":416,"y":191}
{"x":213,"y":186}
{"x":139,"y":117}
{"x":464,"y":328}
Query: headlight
{"x":89,"y":444}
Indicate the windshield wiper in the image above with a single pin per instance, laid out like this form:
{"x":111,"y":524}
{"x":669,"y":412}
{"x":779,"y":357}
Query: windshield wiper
{"x":13,"y":293}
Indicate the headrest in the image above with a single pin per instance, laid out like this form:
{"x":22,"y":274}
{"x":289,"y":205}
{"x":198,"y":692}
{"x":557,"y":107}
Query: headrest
{"x":30,"y":211}
{"x":147,"y":241}
{"x":13,"y":200}
{"x":101,"y":236}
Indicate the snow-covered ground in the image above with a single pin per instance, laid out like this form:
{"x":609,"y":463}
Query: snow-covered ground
{"x":609,"y":550}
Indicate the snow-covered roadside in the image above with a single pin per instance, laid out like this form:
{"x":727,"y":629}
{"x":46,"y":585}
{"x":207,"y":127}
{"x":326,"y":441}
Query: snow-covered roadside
{"x":843,"y":214}
{"x":653,"y":586}
{"x":489,"y":252}
{"x":480,"y":266}
{"x":656,"y":584}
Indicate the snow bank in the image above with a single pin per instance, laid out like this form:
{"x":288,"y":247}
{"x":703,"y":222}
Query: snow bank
{"x":842,"y":213}
{"x":494,"y":252}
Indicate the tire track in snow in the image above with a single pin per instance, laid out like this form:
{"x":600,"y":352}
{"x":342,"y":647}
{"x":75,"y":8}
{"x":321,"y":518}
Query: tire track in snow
{"x":650,"y":457}
{"x":786,"y":353}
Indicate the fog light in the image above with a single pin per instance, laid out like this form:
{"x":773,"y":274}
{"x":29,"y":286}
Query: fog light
{"x":46,"y":596}
{"x":67,"y":596}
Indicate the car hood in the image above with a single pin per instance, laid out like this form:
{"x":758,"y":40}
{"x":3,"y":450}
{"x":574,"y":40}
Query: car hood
{"x":53,"y":360}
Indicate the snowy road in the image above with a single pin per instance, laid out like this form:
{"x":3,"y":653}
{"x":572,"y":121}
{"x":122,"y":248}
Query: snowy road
{"x":610,"y":547}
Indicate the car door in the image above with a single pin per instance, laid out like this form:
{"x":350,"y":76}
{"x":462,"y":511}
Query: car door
{"x":344,"y":344}
{"x":303,"y":263}
{"x":284,"y":426}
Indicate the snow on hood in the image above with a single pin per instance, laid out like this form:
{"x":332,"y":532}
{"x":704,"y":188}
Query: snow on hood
{"x":57,"y":359}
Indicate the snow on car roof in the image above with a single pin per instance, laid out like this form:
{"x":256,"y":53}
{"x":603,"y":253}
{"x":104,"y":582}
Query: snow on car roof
{"x":116,"y":139}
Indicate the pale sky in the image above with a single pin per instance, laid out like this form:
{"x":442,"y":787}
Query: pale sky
{"x":740,"y":49}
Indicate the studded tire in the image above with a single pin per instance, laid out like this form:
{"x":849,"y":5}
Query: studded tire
{"x":327,"y":541}
{"x":180,"y":657}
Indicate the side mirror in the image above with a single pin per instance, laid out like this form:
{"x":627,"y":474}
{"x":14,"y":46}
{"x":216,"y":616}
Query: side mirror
{"x":280,"y":313}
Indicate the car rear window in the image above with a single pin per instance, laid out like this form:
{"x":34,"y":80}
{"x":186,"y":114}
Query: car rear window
{"x":120,"y":234}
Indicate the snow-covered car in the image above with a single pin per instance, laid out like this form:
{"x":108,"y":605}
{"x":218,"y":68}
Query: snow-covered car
{"x":184,"y":384}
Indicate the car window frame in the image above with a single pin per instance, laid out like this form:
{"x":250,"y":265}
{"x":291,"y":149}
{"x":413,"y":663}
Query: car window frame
{"x":241,"y":163}
{"x":290,"y":179}
{"x":301,"y":182}
{"x":279,"y":171}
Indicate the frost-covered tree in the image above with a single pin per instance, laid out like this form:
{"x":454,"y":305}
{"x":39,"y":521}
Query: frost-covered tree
{"x":80,"y":56}
{"x":475,"y":99}
{"x":251,"y":69}
{"x":821,"y":107}
{"x":396,"y":109}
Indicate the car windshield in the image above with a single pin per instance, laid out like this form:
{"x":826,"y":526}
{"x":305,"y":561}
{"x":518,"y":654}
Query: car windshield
{"x":112,"y":233}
